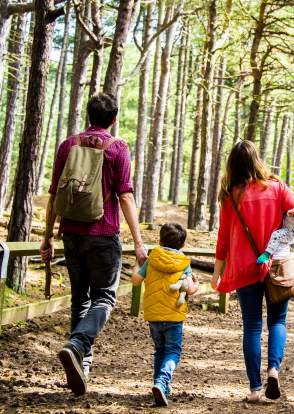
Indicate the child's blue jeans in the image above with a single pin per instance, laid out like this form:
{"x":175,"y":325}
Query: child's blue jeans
{"x":251,"y":298}
{"x":167,"y":338}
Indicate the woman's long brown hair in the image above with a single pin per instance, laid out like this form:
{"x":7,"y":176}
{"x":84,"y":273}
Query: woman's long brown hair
{"x":243,"y":165}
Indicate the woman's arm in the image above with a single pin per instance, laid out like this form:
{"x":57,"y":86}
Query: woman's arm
{"x":218,"y":268}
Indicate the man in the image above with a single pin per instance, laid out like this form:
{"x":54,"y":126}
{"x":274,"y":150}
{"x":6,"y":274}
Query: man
{"x":92,"y":249}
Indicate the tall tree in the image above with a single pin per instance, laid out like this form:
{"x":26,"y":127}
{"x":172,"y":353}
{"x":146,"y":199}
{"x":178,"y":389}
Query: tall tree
{"x":142,"y":109}
{"x":49,"y":131}
{"x":192,"y":191}
{"x":200,"y":218}
{"x":15,"y":52}
{"x":21,"y":214}
{"x":154,"y":155}
{"x":281,"y":145}
{"x":264,"y":139}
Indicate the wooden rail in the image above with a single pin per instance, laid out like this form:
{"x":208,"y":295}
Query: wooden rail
{"x":14,"y":249}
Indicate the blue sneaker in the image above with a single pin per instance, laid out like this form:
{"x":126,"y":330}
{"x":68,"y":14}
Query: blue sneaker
{"x":159,"y":396}
{"x":168,"y":390}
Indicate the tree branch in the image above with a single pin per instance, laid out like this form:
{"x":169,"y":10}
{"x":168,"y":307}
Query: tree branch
{"x":19,"y":8}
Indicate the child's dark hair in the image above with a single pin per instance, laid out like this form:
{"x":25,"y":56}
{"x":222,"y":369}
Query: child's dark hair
{"x":172,"y":235}
{"x":102,"y":110}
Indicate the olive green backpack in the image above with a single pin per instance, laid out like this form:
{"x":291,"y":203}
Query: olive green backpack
{"x":79,"y":194}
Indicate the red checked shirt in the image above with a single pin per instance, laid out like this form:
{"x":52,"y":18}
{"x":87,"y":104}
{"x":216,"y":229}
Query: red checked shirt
{"x":116,"y":178}
{"x":262,"y":210}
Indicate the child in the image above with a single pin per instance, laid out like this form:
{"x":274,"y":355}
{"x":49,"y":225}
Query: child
{"x":165,"y":266}
{"x":279,"y":244}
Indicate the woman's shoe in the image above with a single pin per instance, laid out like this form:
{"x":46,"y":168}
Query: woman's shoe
{"x":254,"y":397}
{"x":272,"y":390}
{"x":159,"y":396}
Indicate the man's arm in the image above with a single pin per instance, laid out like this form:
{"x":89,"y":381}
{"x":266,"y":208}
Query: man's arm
{"x":129,"y":210}
{"x":47,"y":246}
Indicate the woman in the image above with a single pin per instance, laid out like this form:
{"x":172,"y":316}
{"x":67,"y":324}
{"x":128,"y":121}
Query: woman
{"x":261,"y":199}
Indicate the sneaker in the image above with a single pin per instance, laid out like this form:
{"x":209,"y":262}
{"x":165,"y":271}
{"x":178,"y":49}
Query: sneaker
{"x":72,"y":364}
{"x":159,"y":396}
{"x":272,"y":390}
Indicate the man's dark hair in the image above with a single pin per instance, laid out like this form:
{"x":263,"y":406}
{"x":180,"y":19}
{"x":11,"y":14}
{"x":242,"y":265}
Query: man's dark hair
{"x":172,"y":235}
{"x":102,"y":110}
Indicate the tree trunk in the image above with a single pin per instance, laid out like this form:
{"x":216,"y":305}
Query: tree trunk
{"x":257,"y":72}
{"x":155,"y":87}
{"x":81,"y":56}
{"x":142,"y":110}
{"x":216,"y":133}
{"x":192,"y":193}
{"x":51,"y":119}
{"x":98,"y":53}
{"x":123,"y":21}
{"x":289,"y":159}
{"x":218,"y":156}
{"x":264,"y":141}
{"x":276,"y":138}
{"x":282,"y":141}
{"x":4,"y":26}
{"x":164,"y":148}
{"x":238,"y":105}
{"x":183,"y":105}
{"x":205,"y":122}
{"x":21,"y":214}
{"x":63,"y":78}
{"x":154,"y":156}
{"x":177,"y":119}
{"x":15,"y":50}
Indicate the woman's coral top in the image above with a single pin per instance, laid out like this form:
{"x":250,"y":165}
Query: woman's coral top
{"x":262,"y":209}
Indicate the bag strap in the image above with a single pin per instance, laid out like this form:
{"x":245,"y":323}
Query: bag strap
{"x":99,"y":143}
{"x":245,"y":227}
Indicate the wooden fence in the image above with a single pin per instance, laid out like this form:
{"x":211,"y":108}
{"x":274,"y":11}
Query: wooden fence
{"x":45,"y":307}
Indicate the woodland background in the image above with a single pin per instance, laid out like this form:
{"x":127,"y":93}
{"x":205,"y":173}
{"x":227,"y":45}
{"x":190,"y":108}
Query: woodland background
{"x":191,"y":77}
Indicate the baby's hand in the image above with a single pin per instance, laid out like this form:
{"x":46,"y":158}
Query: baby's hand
{"x":195,"y":280}
{"x":290,"y":213}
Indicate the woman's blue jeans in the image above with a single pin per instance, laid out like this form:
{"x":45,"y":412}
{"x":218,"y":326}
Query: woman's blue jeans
{"x":251,"y":298}
{"x":167,"y":338}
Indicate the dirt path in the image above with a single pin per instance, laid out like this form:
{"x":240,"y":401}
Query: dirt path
{"x":210,"y":378}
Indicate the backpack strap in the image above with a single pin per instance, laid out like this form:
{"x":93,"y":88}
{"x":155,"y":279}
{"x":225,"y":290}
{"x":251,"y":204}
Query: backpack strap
{"x":107,"y":143}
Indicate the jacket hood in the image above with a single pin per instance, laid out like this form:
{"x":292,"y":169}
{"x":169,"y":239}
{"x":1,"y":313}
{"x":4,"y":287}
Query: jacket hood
{"x":168,"y":261}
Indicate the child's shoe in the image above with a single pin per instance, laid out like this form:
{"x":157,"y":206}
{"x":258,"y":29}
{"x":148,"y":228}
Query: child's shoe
{"x":159,"y":395}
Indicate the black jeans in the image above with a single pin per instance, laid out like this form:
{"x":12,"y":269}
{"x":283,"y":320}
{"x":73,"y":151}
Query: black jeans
{"x":94,"y":264}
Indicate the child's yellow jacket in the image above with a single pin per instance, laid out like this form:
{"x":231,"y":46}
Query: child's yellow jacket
{"x":165,"y":267}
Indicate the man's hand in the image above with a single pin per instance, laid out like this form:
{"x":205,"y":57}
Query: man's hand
{"x":141,"y":254}
{"x":214,"y":281}
{"x":47,"y":250}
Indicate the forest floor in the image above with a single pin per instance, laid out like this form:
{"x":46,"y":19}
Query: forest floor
{"x":211,"y":377}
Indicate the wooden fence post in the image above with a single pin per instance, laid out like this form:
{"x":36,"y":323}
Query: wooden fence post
{"x":223,"y":304}
{"x":4,"y":255}
{"x":137,"y":293}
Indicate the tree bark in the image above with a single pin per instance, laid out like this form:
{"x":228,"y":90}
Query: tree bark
{"x":282,"y":141}
{"x":276,"y":138}
{"x":218,"y":156}
{"x":155,"y":87}
{"x":15,"y":51}
{"x":123,"y":21}
{"x":154,"y":156}
{"x":183,"y":104}
{"x":289,"y":159}
{"x":21,"y":214}
{"x":264,"y":141}
{"x":63,"y":78}
{"x":238,"y":106}
{"x":200,"y":216}
{"x":192,"y":193}
{"x":164,"y":148}
{"x":81,"y":55}
{"x":257,"y":72}
{"x":51,"y":119}
{"x":177,"y":118}
{"x":142,"y":111}
{"x":4,"y":26}
{"x":216,"y":133}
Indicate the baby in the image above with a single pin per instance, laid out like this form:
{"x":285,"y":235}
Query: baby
{"x":279,"y":244}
